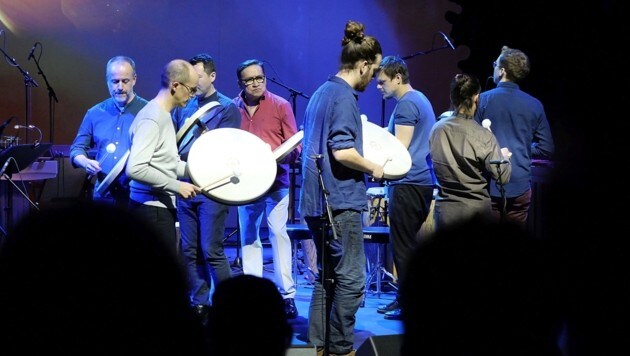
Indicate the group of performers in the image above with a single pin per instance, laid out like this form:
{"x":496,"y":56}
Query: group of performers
{"x":477,"y":171}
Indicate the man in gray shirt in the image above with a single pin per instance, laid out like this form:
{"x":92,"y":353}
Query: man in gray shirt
{"x":154,"y":163}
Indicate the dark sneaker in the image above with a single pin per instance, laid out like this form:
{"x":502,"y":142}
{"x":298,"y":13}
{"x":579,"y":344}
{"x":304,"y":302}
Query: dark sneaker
{"x":388,"y":307}
{"x":393,"y":315}
{"x":201,"y":312}
{"x":290,"y":309}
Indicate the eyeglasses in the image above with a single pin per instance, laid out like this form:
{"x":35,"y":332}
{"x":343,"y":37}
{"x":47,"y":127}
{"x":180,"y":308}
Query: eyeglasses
{"x":494,"y":64}
{"x":191,"y":90}
{"x":249,"y":81}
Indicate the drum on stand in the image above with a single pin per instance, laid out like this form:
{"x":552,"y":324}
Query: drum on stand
{"x":377,"y":207}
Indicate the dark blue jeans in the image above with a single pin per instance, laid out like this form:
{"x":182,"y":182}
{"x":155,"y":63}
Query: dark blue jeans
{"x":202,"y":229}
{"x":345,"y":265}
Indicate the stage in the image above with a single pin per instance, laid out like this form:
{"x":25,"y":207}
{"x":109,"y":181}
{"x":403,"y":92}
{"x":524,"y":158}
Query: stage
{"x":369,"y":323}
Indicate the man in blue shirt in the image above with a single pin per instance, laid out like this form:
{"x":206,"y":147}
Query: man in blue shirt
{"x":519,"y":123}
{"x":410,"y":196}
{"x":105,"y":128}
{"x":333,"y":142}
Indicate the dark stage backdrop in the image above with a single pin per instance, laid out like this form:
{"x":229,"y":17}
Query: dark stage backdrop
{"x":299,"y":40}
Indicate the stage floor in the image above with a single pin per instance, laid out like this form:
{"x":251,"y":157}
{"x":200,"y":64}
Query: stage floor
{"x":368,"y":323}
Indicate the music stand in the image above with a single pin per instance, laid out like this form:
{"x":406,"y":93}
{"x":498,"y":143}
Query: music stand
{"x":13,"y":160}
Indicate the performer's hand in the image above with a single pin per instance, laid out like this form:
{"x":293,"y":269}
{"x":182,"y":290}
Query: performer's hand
{"x":188,"y":190}
{"x":92,"y":167}
{"x":377,"y":172}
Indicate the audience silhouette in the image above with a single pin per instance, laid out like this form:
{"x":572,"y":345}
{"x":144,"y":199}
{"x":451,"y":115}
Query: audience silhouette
{"x":480,"y":287}
{"x":247,"y":318}
{"x":92,"y":279}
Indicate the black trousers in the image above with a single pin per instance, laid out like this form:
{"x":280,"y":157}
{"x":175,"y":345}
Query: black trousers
{"x":408,"y":209}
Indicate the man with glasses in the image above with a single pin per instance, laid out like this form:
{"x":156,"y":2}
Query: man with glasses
{"x":105,"y":128}
{"x":153,"y":164}
{"x":271,"y":118}
{"x":201,"y":219}
{"x":519,"y":122}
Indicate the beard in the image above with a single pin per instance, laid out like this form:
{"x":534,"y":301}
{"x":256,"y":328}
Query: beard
{"x":363,"y":83}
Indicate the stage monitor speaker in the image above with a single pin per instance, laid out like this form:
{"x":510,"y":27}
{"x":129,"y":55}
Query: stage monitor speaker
{"x":302,"y":350}
{"x":383,"y":345}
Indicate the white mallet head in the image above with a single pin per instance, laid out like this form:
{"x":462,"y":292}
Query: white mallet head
{"x":486,"y":123}
{"x":110,"y":148}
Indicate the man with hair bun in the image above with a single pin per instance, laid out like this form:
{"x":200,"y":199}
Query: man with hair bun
{"x":333,"y":143}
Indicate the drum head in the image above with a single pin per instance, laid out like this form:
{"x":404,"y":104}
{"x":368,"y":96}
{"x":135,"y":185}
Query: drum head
{"x":232,"y":166}
{"x":381,"y":147}
{"x":288,"y":146}
{"x":193,"y":126}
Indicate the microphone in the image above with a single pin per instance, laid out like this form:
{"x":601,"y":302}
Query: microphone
{"x":317,"y":156}
{"x":502,"y":161}
{"x":30,"y":54}
{"x":29,"y":127}
{"x":450,"y":44}
{"x":486,"y":124}
{"x":6,"y":123}
{"x":4,"y":168}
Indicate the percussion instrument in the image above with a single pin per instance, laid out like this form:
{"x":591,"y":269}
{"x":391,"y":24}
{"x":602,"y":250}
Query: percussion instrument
{"x":232,"y":166}
{"x":377,"y":207}
{"x":381,"y":147}
{"x":111,"y":148}
{"x":195,"y":125}
{"x":104,"y":185}
{"x":287,"y":146}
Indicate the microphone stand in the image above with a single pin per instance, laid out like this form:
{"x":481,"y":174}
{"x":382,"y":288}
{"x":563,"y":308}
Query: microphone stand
{"x":294,"y":95}
{"x":326,"y":279}
{"x":9,"y":208}
{"x":29,"y":83}
{"x":51,"y":104}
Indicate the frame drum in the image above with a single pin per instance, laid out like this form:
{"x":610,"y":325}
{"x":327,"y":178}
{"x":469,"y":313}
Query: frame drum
{"x":103,"y":186}
{"x":194,"y":126}
{"x":288,"y":146}
{"x":231,"y":166}
{"x":381,"y":147}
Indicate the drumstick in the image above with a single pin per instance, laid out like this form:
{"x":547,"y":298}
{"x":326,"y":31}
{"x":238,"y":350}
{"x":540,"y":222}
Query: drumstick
{"x":383,"y":166}
{"x":111,"y":148}
{"x":486,"y":123}
{"x":236,"y":172}
{"x":386,"y":160}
